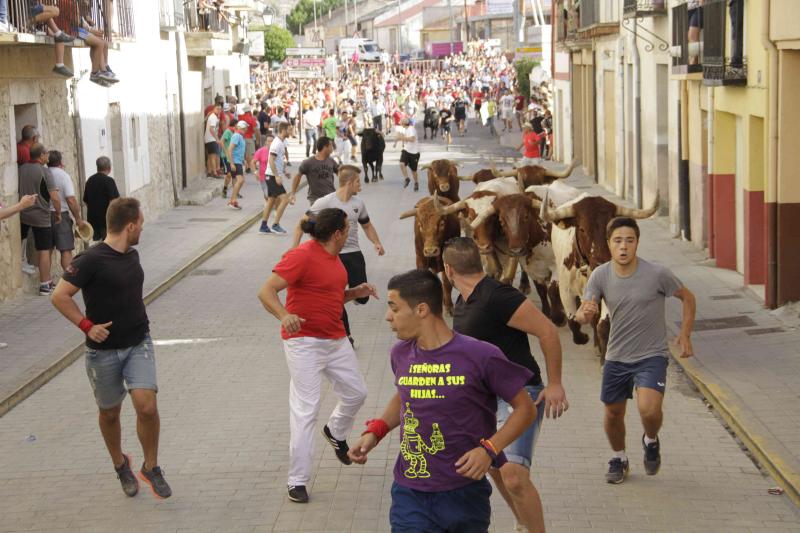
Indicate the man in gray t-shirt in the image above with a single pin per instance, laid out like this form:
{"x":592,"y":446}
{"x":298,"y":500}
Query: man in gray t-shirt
{"x":319,"y":171}
{"x":634,"y":291}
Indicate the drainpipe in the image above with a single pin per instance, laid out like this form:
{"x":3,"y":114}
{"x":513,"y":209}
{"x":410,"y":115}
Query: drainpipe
{"x":771,"y":295}
{"x":710,"y":164}
{"x":683,"y":163}
{"x":181,"y":115}
{"x":637,"y":120}
{"x":76,"y":125}
{"x":620,"y":180}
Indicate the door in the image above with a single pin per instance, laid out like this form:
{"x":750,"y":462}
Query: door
{"x":609,"y":130}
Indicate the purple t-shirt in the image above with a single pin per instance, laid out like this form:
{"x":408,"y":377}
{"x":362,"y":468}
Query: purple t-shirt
{"x":448,"y":404}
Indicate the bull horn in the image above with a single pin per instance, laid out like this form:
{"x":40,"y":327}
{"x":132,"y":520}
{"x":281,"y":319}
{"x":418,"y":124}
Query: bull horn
{"x":482,"y":216}
{"x":466,"y":178}
{"x":408,"y":214}
{"x":448,"y":209}
{"x":425,"y":166}
{"x":505,"y":173}
{"x":639,"y":213}
{"x":454,"y":163}
{"x":568,"y":211}
{"x":564,"y":173}
{"x":520,"y":182}
{"x":493,"y":167}
{"x":536,"y":203}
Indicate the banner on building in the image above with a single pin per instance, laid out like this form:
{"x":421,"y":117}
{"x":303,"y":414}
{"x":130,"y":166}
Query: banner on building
{"x":256,"y":40}
{"x":499,"y":7}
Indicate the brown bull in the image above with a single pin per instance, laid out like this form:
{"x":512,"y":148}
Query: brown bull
{"x":443,"y":178}
{"x":431,"y":231}
{"x":480,"y":176}
{"x":536,"y":175}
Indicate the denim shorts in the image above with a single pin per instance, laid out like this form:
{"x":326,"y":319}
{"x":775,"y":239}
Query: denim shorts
{"x":466,"y":509}
{"x":620,"y":378}
{"x":110,"y":371}
{"x":521,"y":450}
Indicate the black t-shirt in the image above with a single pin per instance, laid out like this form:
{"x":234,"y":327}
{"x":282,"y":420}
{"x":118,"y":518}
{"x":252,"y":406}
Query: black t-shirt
{"x":263,"y":122}
{"x":460,"y":107}
{"x":485,"y":316}
{"x":97,"y":194}
{"x":112,"y":291}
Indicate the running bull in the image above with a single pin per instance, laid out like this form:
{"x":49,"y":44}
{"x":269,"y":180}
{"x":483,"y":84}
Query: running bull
{"x":372,"y":148}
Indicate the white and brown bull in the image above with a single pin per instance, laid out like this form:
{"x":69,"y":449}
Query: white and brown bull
{"x":443,"y":178}
{"x":580,"y":246}
{"x":432,"y":230}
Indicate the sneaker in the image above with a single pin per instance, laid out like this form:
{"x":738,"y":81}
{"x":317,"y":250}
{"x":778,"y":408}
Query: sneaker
{"x":63,"y":71}
{"x":107,"y":76}
{"x":264,"y":228}
{"x":406,"y":182}
{"x":298,"y":493}
{"x":234,"y":205}
{"x":416,"y":186}
{"x":63,"y":38}
{"x":224,"y":192}
{"x":155,"y":478}
{"x":339,"y":446}
{"x":28,"y":269}
{"x":6,"y":27}
{"x":130,"y":485}
{"x":617,"y":470}
{"x":276,"y":228}
{"x":652,"y":457}
{"x":46,"y":289}
{"x":95,"y":78}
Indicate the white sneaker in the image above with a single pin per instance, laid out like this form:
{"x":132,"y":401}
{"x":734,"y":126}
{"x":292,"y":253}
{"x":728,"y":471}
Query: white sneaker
{"x":28,"y":269}
{"x":6,"y":27}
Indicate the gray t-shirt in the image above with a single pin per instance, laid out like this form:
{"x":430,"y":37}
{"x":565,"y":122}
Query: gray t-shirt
{"x":319,"y":175}
{"x":356,"y":214}
{"x":36,"y":179}
{"x":636,"y":308}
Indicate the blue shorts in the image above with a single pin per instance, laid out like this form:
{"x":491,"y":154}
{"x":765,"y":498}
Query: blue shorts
{"x":110,"y":370}
{"x":466,"y":510}
{"x":36,"y":9}
{"x":620,"y":378}
{"x":521,"y":450}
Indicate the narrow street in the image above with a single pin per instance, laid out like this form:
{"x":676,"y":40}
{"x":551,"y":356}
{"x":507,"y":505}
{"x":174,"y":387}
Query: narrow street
{"x":224,"y":419}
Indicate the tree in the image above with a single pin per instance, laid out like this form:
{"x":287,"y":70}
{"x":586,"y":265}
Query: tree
{"x":303,"y":13}
{"x":524,"y":68}
{"x":276,"y":41}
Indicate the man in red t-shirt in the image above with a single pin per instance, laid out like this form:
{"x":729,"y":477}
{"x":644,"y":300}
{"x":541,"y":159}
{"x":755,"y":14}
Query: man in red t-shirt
{"x":29,"y":136}
{"x":529,"y":145}
{"x":251,"y":135}
{"x":314,"y":340}
{"x":519,"y":106}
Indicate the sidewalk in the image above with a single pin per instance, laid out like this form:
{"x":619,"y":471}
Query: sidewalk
{"x":747,"y":360}
{"x":41,"y":343}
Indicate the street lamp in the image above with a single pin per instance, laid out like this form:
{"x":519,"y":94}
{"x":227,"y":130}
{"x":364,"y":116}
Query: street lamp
{"x":268,"y":15}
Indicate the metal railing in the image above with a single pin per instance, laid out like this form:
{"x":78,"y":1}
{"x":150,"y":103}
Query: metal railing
{"x":718,"y":68}
{"x":170,"y":13}
{"x":644,"y":8}
{"x":205,"y":15}
{"x":119,"y":24}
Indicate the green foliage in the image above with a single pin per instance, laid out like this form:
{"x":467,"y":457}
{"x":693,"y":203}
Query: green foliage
{"x":303,"y":13}
{"x":524,"y":68}
{"x":276,"y":41}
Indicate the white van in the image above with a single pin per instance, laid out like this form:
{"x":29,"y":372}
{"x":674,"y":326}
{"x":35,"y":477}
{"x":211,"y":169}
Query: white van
{"x":368,"y":50}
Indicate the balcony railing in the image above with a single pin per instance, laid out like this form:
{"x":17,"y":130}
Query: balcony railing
{"x":644,"y":8}
{"x":718,"y":67}
{"x":687,"y":56}
{"x":170,"y":14}
{"x":114,"y":18}
{"x":205,"y":15}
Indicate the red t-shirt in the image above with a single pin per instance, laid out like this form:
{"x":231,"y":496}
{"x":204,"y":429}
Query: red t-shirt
{"x":23,"y":153}
{"x":397,"y":116}
{"x":520,"y":102}
{"x":531,"y":142}
{"x":317,"y":281}
{"x":477,"y":97}
{"x":252,"y":122}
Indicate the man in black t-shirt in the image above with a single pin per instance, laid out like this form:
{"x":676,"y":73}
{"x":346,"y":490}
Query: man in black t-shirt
{"x":501,"y":315}
{"x":119,"y":350}
{"x":460,"y":113}
{"x":98,"y":192}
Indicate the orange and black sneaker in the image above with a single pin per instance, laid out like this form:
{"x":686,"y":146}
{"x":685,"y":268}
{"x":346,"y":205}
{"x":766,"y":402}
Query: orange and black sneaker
{"x":130,"y":485}
{"x":155,"y":478}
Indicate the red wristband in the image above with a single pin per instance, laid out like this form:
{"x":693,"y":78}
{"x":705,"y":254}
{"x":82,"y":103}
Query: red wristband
{"x":377,"y":427}
{"x":85,"y":325}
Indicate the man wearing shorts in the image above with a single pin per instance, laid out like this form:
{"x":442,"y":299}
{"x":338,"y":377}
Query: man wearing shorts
{"x":119,"y":350}
{"x":236,"y":155}
{"x":409,"y":157}
{"x":460,"y":113}
{"x":252,"y":135}
{"x":319,"y":170}
{"x":63,"y":236}
{"x":501,"y":315}
{"x":448,"y":386}
{"x":211,"y":139}
{"x":634,"y":291}
{"x":276,"y":173}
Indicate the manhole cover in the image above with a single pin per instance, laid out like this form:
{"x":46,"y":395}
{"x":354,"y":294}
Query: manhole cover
{"x":208,"y":220}
{"x":206,"y":272}
{"x":762,"y":331}
{"x":710,"y":324}
{"x":725,"y":297}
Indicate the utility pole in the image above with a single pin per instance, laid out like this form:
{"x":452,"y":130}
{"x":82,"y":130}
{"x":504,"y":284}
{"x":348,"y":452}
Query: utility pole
{"x":452,"y":25}
{"x":466,"y":22}
{"x":315,"y":16}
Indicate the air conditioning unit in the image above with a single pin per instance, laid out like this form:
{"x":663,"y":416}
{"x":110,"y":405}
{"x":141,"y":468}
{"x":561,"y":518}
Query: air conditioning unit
{"x":242,"y":47}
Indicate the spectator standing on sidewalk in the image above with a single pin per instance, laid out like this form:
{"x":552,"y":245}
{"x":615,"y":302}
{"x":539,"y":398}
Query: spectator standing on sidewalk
{"x":276,"y":173}
{"x":63,"y":235}
{"x":314,"y":341}
{"x":44,"y":14}
{"x":499,"y":314}
{"x":35,"y":178}
{"x":263,"y":122}
{"x":319,"y":171}
{"x":448,"y":386}
{"x":311,"y":121}
{"x":634,"y":291}
{"x":212,"y":142}
{"x":252,"y":135}
{"x":119,"y":350}
{"x":99,"y":191}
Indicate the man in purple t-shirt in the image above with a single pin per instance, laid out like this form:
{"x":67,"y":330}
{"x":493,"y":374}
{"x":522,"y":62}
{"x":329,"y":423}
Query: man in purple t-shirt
{"x":446,"y":400}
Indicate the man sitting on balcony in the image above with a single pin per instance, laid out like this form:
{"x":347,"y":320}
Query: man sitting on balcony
{"x":42,"y":14}
{"x":98,"y":47}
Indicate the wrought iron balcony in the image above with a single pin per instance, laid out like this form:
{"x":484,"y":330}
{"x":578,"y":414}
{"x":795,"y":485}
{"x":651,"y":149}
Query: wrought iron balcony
{"x":171,"y":15}
{"x":590,"y":24}
{"x":206,"y":16}
{"x":113,"y":18}
{"x":644,"y":8}
{"x":686,"y":56}
{"x":723,"y":65}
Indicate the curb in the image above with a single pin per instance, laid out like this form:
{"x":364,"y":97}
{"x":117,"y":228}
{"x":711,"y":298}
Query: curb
{"x":23,"y":392}
{"x":755,"y":444}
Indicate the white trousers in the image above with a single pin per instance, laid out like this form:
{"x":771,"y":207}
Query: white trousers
{"x":310,"y":358}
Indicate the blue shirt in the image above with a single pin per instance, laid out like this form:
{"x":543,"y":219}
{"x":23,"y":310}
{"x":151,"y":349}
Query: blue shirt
{"x":237,"y":149}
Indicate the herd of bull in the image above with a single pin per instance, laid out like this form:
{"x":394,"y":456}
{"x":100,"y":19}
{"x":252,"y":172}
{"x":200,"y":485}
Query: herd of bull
{"x":524,"y":217}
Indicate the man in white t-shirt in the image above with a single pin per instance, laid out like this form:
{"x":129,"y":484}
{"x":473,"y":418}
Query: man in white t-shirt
{"x":346,"y":199}
{"x":63,"y":238}
{"x":409,"y":157}
{"x":211,"y":139}
{"x":507,"y":110}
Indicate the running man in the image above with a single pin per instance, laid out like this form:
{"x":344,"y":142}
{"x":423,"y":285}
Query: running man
{"x":276,"y":173}
{"x":346,"y":199}
{"x":319,"y":171}
{"x":501,"y":315}
{"x":446,"y":400}
{"x":445,"y":121}
{"x":314,"y":341}
{"x":409,"y":157}
{"x":119,"y":350}
{"x":236,"y":153}
{"x":460,"y":113}
{"x":634,"y":291}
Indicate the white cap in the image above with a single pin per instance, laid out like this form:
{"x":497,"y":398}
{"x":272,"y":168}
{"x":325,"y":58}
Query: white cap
{"x":241,"y":125}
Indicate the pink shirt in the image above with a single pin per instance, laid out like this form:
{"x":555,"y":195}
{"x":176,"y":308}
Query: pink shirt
{"x":262,"y":157}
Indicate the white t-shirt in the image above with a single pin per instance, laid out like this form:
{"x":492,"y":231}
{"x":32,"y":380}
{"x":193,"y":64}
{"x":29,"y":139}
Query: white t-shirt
{"x":212,"y":125}
{"x":277,"y":150}
{"x":356,"y":214}
{"x":412,"y":147}
{"x":65,"y":188}
{"x":507,"y":102}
